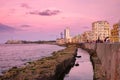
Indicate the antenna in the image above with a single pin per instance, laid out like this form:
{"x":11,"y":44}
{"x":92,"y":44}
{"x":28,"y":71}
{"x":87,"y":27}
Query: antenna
{"x":61,"y":35}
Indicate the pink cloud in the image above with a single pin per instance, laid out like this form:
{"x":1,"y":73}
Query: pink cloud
{"x":25,"y":5}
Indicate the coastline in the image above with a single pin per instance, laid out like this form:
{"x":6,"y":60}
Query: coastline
{"x":48,"y":68}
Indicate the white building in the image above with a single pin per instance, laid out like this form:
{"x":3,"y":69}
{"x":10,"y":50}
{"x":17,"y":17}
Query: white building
{"x":60,"y":41}
{"x":67,"y":35}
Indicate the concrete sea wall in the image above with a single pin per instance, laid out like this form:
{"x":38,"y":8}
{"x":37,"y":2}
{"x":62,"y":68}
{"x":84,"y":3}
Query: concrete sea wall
{"x":49,"y":68}
{"x":106,"y":60}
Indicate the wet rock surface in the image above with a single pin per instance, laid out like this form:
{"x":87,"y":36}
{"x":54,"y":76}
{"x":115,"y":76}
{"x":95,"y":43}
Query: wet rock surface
{"x":49,"y":68}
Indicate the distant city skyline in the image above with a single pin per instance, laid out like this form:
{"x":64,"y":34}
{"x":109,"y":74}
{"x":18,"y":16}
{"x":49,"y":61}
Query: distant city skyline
{"x":46,"y":19}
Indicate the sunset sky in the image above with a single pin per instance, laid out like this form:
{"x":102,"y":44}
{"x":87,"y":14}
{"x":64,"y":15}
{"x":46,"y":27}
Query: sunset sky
{"x":46,"y":19}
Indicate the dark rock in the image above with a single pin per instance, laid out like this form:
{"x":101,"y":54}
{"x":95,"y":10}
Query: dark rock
{"x":78,"y":56}
{"x":76,"y":64}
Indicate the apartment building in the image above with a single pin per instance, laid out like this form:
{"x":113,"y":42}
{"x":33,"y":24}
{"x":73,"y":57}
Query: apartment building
{"x":101,"y":30}
{"x":115,"y":33}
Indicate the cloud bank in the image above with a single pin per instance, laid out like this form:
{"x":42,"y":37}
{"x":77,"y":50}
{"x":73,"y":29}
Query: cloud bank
{"x":46,"y":12}
{"x":6,"y":28}
{"x":25,"y":26}
{"x":24,"y":5}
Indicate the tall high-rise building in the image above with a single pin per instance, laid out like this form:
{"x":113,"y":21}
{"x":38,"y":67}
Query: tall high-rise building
{"x":67,"y":35}
{"x":101,"y":30}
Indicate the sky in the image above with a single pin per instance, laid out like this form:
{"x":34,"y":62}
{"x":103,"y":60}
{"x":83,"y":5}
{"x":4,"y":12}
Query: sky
{"x":46,"y":19}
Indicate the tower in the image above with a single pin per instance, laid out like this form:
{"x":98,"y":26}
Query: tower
{"x":67,"y":33}
{"x":61,"y":34}
{"x":67,"y":37}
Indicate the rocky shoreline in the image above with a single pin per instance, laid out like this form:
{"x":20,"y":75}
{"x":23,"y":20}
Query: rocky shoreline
{"x":50,"y":68}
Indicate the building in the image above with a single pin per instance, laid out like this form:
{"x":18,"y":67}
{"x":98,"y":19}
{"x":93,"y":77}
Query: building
{"x":60,"y":41}
{"x":67,"y":35}
{"x":14,"y":42}
{"x":101,"y":30}
{"x":115,"y":33}
{"x":88,"y":36}
{"x":77,"y":39}
{"x":64,"y":39}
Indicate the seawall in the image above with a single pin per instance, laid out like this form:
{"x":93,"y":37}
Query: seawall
{"x":49,"y":68}
{"x":106,"y":60}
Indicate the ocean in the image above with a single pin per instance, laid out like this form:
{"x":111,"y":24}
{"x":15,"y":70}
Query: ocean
{"x":17,"y":55}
